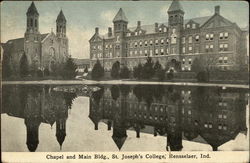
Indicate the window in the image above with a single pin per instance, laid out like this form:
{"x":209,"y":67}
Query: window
{"x":211,"y":47}
{"x":156,"y":42}
{"x":151,"y":42}
{"x":197,"y":37}
{"x":207,"y":36}
{"x":225,"y":47}
{"x":183,"y":40}
{"x":151,"y":52}
{"x":190,"y":61}
{"x":193,"y":26}
{"x":35,"y":22}
{"x":135,"y":52}
{"x":135,"y":44}
{"x":183,"y":61}
{"x":220,"y":59}
{"x":140,"y":32}
{"x":162,"y":41}
{"x":188,"y":25}
{"x":167,"y":50}
{"x":221,"y":47}
{"x":128,"y":34}
{"x":225,"y":59}
{"x":190,"y":48}
{"x":211,"y":36}
{"x":221,"y":35}
{"x":207,"y":48}
{"x":140,"y":52}
{"x":190,"y":39}
{"x":146,"y":43}
{"x":183,"y":50}
{"x":226,"y":35}
{"x":131,"y":53}
{"x":156,"y":51}
{"x":136,"y":33}
{"x":167,"y":41}
{"x":140,"y":43}
{"x":146,"y":52}
{"x":165,"y":29}
{"x":160,"y":29}
{"x":162,"y":51}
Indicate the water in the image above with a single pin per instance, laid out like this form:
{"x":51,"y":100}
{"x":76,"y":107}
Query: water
{"x":126,"y":118}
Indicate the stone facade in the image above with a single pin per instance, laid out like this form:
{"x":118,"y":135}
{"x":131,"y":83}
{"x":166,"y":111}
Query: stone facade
{"x":180,"y":40}
{"x":42,"y":50}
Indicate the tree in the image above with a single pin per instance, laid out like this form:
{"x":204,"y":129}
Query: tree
{"x":115,"y":71}
{"x":6,"y":67}
{"x":97,"y":71}
{"x":138,"y":71}
{"x":69,"y":69}
{"x":124,"y":74}
{"x":159,"y":71}
{"x":148,"y":70}
{"x":157,"y":66}
{"x":24,"y":67}
{"x":196,"y":65}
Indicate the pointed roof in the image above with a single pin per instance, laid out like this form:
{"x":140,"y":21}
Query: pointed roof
{"x":175,"y":6}
{"x":32,"y":10}
{"x":61,"y":17}
{"x":120,"y":16}
{"x":119,"y":141}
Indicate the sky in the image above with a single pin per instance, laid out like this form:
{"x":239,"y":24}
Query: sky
{"x":83,"y":16}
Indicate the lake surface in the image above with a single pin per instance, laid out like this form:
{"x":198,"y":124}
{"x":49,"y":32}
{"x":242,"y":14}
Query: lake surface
{"x":124,"y":117}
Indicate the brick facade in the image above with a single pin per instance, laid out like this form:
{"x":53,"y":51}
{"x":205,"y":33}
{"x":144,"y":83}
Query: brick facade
{"x":180,"y":39}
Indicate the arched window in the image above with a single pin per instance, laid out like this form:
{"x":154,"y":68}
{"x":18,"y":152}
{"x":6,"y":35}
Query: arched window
{"x":52,"y":52}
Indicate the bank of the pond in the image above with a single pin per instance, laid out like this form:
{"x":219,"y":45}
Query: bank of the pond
{"x":128,"y":82}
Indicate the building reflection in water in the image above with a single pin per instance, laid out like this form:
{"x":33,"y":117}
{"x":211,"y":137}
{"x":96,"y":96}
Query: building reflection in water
{"x":211,"y":115}
{"x":36,"y":105}
{"x":206,"y":115}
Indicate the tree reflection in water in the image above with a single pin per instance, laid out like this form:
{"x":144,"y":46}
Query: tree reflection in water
{"x":211,"y":115}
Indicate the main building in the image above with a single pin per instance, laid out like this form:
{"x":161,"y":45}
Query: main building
{"x":180,"y":40}
{"x":43,"y":51}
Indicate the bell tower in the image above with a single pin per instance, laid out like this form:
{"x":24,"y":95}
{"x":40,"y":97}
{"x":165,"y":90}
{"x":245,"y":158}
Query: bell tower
{"x":120,"y":28}
{"x":175,"y":23}
{"x":61,"y":35}
{"x":32,"y":37}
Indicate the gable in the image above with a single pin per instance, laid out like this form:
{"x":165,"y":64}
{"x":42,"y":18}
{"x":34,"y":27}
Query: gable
{"x":49,"y":37}
{"x":217,"y":21}
{"x":95,"y":38}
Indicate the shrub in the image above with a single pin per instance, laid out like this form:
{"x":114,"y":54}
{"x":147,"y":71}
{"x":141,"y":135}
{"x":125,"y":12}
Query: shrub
{"x":97,"y":71}
{"x":124,"y":74}
{"x":115,"y":71}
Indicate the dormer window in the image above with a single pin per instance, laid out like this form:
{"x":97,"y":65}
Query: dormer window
{"x":165,"y":29}
{"x":193,"y":26}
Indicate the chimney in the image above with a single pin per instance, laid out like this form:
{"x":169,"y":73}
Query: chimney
{"x":109,"y":32}
{"x":97,"y":30}
{"x":156,"y":27}
{"x":217,"y":10}
{"x":138,"y":23}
